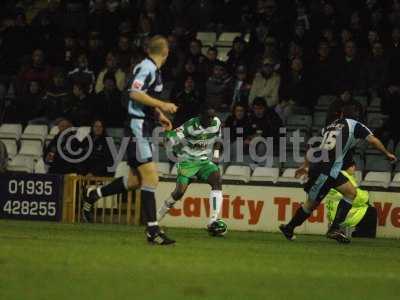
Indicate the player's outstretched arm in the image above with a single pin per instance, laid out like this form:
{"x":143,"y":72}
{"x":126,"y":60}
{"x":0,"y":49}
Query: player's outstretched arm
{"x":147,"y":100}
{"x":376,"y":143}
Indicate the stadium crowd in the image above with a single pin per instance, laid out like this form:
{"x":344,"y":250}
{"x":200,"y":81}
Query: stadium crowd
{"x":70,"y":59}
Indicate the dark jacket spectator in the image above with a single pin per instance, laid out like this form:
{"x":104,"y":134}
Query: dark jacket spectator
{"x":376,"y":68}
{"x":37,"y":71}
{"x":56,"y":154}
{"x":238,"y":55}
{"x":78,"y":105}
{"x":238,"y":122}
{"x":350,"y":67}
{"x":100,"y":157}
{"x":28,"y":103}
{"x":82,"y":73}
{"x":345,"y":99}
{"x":218,"y":87}
{"x":107,"y":104}
{"x":188,"y":102}
{"x":53,"y":105}
{"x":241,"y":86}
{"x":95,"y":52}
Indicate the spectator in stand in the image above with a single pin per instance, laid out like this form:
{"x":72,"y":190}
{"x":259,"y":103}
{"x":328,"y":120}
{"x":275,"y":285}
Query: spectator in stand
{"x":82,"y":73}
{"x":111,"y":66}
{"x":108,"y":103}
{"x":266,"y":84}
{"x":96,"y":53}
{"x":376,"y":68}
{"x":373,"y":37}
{"x":28,"y":102}
{"x":218,"y":87}
{"x":295,"y":85}
{"x":212,"y":59}
{"x":188,"y":101}
{"x":175,"y":60}
{"x":191,"y":69}
{"x":53,"y":158}
{"x":329,"y":37}
{"x":346,"y":36}
{"x":394,"y":47}
{"x":124,"y":52}
{"x":144,"y":30}
{"x":237,"y":55}
{"x":241,"y":86}
{"x":38,"y":71}
{"x":237,"y":122}
{"x":264,"y":122}
{"x":345,"y":99}
{"x":3,"y":158}
{"x":100,"y":157}
{"x":322,"y":73}
{"x":78,"y":105}
{"x":350,"y":67}
{"x":53,"y":104}
{"x":68,"y":53}
{"x":197,"y":57}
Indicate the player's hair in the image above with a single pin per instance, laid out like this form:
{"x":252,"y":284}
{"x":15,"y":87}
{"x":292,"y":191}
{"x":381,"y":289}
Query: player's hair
{"x":157,"y":45}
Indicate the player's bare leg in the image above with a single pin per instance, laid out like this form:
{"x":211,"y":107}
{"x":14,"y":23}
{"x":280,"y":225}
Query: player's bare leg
{"x":149,"y":182}
{"x":175,"y":196}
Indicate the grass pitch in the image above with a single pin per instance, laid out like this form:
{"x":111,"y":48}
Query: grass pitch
{"x":59,"y":261}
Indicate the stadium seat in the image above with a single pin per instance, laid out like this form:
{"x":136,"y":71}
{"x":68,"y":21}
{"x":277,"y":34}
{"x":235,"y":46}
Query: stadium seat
{"x":270,"y":162}
{"x":223,"y":53}
{"x":396,"y":180}
{"x":397,"y":168}
{"x":319,"y":119}
{"x":288,"y":176}
{"x":362,"y":100}
{"x":397,"y":150}
{"x":163,"y":169}
{"x":375,"y":105}
{"x":360,"y":165}
{"x":40,"y":167}
{"x":35,"y":132}
{"x":21,"y":163}
{"x":11,"y":146}
{"x":324,"y":102}
{"x":31,"y":148}
{"x":380,"y":179}
{"x":358,"y":176}
{"x":207,"y":38}
{"x":53,"y":132}
{"x":10,"y":131}
{"x":265,"y":174}
{"x":299,"y":122}
{"x":291,"y":163}
{"x":377,"y":163}
{"x":122,"y":169}
{"x":226,"y":38}
{"x":82,"y":132}
{"x":234,"y":172}
{"x":174,"y":170}
{"x":375,"y":120}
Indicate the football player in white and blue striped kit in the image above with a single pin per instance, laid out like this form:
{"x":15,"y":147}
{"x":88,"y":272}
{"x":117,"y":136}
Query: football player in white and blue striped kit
{"x":144,"y":110}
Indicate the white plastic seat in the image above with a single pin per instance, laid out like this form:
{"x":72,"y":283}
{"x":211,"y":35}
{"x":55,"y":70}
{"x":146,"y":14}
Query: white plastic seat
{"x":377,"y":163}
{"x":226,"y":38}
{"x":35,"y":132}
{"x":40,"y":167}
{"x":288,"y":176}
{"x":53,"y":132}
{"x":380,"y":179}
{"x":31,"y":148}
{"x":265,"y":174}
{"x":324,"y":102}
{"x":82,"y":132}
{"x":396,"y":180}
{"x":299,"y":121}
{"x":207,"y":38}
{"x":376,"y":120}
{"x":234,"y":172}
{"x":223,"y":53}
{"x":163,"y":169}
{"x":10,"y":131}
{"x":11,"y":146}
{"x":375,"y":105}
{"x":122,"y":169}
{"x":21,"y":163}
{"x":319,"y":119}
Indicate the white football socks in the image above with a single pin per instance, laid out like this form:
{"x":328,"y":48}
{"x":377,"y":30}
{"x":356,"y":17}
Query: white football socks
{"x":215,"y":204}
{"x":168,"y":204}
